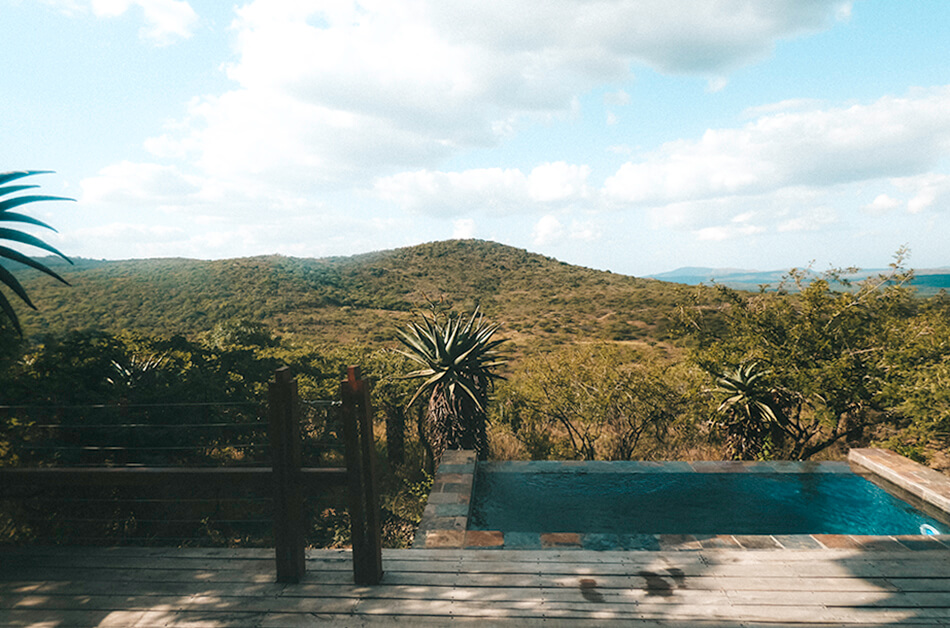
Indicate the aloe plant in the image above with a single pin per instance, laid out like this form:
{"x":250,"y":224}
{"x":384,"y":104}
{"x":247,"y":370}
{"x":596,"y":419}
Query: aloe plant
{"x":10,"y":200}
{"x":750,"y":412}
{"x":458,"y":358}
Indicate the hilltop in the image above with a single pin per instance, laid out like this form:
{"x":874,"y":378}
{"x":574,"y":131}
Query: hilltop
{"x":352,"y":299}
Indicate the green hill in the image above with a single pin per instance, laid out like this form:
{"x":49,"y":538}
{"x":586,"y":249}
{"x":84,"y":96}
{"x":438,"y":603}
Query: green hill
{"x":346,"y":299}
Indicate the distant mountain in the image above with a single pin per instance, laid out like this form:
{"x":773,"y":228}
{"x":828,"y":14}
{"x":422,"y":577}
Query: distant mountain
{"x":927,"y":281}
{"x":692,"y":275}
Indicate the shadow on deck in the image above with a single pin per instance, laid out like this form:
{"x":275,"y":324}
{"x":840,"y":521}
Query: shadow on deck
{"x":69,"y":586}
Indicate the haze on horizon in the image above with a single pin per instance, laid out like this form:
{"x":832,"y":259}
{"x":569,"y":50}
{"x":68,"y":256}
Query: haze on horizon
{"x":637,"y":136}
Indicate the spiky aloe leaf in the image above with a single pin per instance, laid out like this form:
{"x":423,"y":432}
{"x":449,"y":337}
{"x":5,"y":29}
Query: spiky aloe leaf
{"x":18,"y":236}
{"x":458,"y":352}
{"x":23,"y":200}
{"x":14,"y":235}
{"x":28,"y":261}
{"x":6,"y":177}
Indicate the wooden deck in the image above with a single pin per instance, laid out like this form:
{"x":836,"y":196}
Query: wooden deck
{"x":57,"y":587}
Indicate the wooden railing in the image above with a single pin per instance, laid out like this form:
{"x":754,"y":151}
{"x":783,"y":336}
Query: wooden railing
{"x":286,"y":481}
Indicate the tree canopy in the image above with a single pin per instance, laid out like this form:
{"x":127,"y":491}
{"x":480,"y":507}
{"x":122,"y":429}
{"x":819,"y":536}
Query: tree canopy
{"x":833,"y":359}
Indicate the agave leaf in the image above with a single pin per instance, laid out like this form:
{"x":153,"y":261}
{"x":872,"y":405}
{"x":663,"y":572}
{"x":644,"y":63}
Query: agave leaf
{"x":10,"y":189}
{"x":451,"y":333}
{"x":422,"y":354}
{"x":13,"y":235}
{"x":415,"y":341}
{"x":6,"y":177}
{"x":464,"y":356}
{"x":426,"y":385}
{"x":10,"y":203}
{"x":412,"y":356}
{"x":7,"y":278}
{"x":25,"y":238}
{"x":490,"y":365}
{"x":440,"y":344}
{"x":28,"y":261}
{"x":489,"y":348}
{"x":419,"y":373}
{"x":11,"y":314}
{"x":471,"y":395}
{"x":15,"y":217}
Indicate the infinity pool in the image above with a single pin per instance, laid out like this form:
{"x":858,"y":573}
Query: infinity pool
{"x":637,"y":498}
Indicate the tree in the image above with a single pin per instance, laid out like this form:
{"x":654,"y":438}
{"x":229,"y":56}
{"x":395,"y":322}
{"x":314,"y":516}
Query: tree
{"x":826,"y":342}
{"x":751,"y":412}
{"x":458,"y":358}
{"x":600,"y":402}
{"x":17,"y":236}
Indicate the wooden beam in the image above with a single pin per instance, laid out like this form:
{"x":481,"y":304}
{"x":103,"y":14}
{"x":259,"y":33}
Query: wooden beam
{"x":288,"y":493}
{"x":258,"y":478}
{"x":362,"y":501}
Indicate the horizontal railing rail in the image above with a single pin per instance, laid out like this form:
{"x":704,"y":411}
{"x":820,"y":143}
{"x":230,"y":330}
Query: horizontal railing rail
{"x":285,"y":482}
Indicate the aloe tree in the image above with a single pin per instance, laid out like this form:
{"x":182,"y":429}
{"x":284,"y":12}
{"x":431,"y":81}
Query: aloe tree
{"x":10,"y":200}
{"x":750,"y":413}
{"x":458,"y":358}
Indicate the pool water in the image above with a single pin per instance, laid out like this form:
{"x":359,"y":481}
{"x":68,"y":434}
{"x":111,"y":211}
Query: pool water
{"x":838,"y":502}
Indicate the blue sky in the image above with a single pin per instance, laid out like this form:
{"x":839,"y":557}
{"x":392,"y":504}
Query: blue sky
{"x":631,"y":135}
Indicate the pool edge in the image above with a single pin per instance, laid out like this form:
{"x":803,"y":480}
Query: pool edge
{"x":444,"y":527}
{"x":445,"y":518}
{"x":923,"y":482}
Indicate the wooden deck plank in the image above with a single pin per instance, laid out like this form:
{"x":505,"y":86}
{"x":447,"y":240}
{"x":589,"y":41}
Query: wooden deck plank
{"x":149,"y":587}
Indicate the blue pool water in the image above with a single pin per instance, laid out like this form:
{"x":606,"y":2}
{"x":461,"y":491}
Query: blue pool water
{"x":690,"y":503}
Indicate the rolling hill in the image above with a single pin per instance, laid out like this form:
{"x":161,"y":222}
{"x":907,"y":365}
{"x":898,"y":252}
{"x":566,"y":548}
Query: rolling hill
{"x":351,"y":299}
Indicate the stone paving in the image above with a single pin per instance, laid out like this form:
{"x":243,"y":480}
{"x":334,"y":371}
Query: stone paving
{"x":445,"y":520}
{"x":923,"y":482}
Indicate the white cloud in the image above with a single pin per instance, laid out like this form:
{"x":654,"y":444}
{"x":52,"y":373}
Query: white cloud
{"x":547,"y":230}
{"x":128,"y":182}
{"x":716,"y":84}
{"x":782,"y":106}
{"x":809,"y":220}
{"x":891,"y":137}
{"x":331,"y":97}
{"x":930,"y":191}
{"x":883,"y":203}
{"x":584,"y":231}
{"x":618,"y":98}
{"x":127,"y":230}
{"x":463,"y":228}
{"x":670,"y":35}
{"x":345,"y":91}
{"x":727,"y":232}
{"x":492,"y":190}
{"x":557,"y":181}
{"x":165,"y":20}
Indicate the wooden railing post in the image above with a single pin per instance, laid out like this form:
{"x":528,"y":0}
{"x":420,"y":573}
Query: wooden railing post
{"x":361,"y":480}
{"x":288,"y":492}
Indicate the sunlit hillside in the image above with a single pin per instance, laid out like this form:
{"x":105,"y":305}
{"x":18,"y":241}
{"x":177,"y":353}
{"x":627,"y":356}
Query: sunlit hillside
{"x":354,"y":299}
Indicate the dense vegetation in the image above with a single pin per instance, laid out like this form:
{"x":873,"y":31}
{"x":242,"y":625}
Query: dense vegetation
{"x":96,"y":398}
{"x":800,"y":372}
{"x":600,"y":366}
{"x":537,"y":300}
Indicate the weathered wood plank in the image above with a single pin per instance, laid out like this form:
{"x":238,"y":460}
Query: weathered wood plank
{"x":236,"y":588}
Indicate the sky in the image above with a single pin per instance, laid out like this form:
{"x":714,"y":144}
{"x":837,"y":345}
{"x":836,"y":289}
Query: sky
{"x":636,"y":136}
